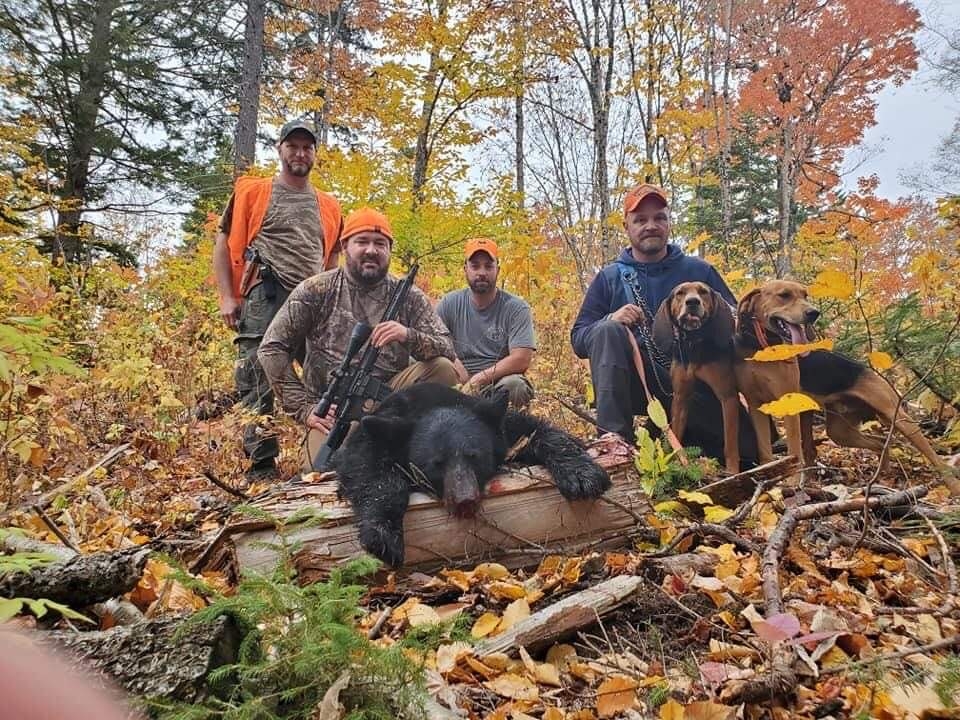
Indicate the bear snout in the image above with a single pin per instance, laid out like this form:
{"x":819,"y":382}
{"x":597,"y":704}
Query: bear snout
{"x":464,"y":510}
{"x":461,"y":491}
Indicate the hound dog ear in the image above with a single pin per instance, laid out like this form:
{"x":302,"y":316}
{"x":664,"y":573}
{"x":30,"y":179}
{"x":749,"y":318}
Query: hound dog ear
{"x":664,"y":325}
{"x":722,"y":325}
{"x":745,"y":306}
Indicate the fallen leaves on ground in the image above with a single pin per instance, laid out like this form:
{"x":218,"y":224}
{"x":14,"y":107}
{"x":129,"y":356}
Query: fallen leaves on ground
{"x":676,"y":650}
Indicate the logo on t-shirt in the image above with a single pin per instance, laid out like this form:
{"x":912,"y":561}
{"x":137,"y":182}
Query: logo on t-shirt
{"x":495,"y":334}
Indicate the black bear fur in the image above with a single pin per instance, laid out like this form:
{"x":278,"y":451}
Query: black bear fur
{"x":428,"y":433}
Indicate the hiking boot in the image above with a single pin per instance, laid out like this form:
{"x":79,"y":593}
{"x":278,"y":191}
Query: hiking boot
{"x":263,"y":471}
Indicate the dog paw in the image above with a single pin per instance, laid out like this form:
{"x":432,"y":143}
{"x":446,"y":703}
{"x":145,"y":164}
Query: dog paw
{"x":581,"y":479}
{"x":384,"y":542}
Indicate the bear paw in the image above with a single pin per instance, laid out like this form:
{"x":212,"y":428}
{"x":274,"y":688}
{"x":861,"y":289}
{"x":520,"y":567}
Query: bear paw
{"x":580,"y":478}
{"x":384,"y":542}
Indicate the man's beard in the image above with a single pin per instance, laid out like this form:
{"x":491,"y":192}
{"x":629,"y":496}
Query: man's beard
{"x":650,"y":245}
{"x":297,"y":169}
{"x":365,"y":275}
{"x":480,"y":287}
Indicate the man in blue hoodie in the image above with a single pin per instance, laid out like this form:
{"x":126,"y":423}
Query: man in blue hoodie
{"x":622,"y":298}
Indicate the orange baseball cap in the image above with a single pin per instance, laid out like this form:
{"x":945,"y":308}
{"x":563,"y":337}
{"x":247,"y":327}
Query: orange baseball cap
{"x":366,"y":220}
{"x":640,"y":193}
{"x":481,"y":244}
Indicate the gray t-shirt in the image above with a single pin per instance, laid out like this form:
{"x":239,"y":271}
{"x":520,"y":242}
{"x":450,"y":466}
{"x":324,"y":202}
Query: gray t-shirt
{"x":291,"y":238}
{"x":482,"y":337}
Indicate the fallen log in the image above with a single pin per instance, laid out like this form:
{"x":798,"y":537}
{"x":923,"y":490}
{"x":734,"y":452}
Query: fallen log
{"x":151,"y":659}
{"x":731,"y":491}
{"x":15,"y":543}
{"x":80,"y":580}
{"x":572,"y":613}
{"x":522,"y":512}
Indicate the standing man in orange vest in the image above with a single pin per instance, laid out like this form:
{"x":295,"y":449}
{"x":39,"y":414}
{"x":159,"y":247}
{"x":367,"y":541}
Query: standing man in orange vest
{"x":274,"y":233}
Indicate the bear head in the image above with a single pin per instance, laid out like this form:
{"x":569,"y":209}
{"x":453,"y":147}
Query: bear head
{"x":450,"y":452}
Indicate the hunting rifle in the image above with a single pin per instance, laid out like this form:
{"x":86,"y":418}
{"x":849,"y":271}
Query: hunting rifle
{"x":349,"y":388}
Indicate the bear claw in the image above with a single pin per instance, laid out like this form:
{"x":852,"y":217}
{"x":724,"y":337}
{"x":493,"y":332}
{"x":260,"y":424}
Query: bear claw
{"x":383,"y":542}
{"x":581,"y":480}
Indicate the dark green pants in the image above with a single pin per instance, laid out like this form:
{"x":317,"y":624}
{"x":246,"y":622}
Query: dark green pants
{"x":253,"y":390}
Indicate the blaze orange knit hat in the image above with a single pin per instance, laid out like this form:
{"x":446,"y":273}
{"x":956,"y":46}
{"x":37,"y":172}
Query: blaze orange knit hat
{"x":481,"y":244}
{"x":640,"y":193}
{"x":366,"y":220}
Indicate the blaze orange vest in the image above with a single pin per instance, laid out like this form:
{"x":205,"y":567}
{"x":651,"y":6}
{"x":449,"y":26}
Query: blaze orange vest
{"x":251,"y":197}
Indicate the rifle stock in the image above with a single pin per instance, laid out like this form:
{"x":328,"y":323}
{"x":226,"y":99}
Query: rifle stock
{"x":349,"y":389}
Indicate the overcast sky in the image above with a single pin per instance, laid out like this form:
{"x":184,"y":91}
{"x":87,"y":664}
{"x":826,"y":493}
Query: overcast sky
{"x":912,"y":119}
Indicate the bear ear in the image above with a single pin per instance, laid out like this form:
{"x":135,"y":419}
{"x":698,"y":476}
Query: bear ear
{"x":389,"y":431}
{"x":494,"y":409}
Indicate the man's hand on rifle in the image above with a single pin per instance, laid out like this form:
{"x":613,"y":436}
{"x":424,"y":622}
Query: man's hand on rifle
{"x":387,"y":332}
{"x":230,"y":311}
{"x":629,"y":314}
{"x":323,"y":424}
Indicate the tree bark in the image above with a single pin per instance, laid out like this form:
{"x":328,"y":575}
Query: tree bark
{"x":601,"y":78}
{"x":519,"y":81}
{"x":245,"y":137}
{"x":726,"y":200}
{"x":81,"y":580}
{"x":565,"y":617}
{"x":67,"y":244}
{"x":151,"y":659}
{"x":518,"y":152}
{"x":422,"y":154}
{"x":784,"y":264}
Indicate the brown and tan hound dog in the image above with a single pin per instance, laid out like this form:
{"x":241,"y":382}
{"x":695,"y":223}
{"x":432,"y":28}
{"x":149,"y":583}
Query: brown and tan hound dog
{"x":775,"y":313}
{"x":849,"y":392}
{"x":698,"y":324}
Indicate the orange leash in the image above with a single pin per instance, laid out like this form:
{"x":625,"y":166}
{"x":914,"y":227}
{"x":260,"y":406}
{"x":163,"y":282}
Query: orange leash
{"x":668,"y":431}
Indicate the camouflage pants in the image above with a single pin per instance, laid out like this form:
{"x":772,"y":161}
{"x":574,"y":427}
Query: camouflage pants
{"x":259,"y":442}
{"x":519,"y":390}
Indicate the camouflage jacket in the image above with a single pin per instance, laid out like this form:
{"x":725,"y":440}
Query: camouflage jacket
{"x":320,"y":312}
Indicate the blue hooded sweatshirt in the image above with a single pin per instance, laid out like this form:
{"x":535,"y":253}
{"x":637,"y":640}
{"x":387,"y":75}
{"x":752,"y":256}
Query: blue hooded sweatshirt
{"x":606,"y":293}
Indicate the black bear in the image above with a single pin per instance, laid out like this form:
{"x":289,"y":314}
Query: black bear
{"x":433,"y":438}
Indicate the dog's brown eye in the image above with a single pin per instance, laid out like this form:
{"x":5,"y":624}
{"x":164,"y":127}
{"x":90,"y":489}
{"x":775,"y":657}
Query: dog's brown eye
{"x":784,"y":295}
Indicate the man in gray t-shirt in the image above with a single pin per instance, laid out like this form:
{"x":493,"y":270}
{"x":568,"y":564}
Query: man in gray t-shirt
{"x":492,"y":330}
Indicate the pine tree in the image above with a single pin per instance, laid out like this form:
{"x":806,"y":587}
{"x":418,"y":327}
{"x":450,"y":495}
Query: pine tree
{"x":121,"y":93}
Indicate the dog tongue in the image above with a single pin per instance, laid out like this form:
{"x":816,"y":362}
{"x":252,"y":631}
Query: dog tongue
{"x":796,"y":334}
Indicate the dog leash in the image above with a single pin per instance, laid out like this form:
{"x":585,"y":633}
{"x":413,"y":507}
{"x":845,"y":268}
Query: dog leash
{"x":668,"y":431}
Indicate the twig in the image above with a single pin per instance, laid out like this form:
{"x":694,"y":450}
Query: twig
{"x":582,"y":414}
{"x":898,"y":655}
{"x":53,"y":528}
{"x":706,"y":529}
{"x":745,"y":507}
{"x":621,"y":506}
{"x":770,"y":565}
{"x":223,"y":486}
{"x":949,"y":570}
{"x":374,"y":632}
{"x":948,"y":565}
{"x":518,"y":538}
{"x":106,"y":460}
